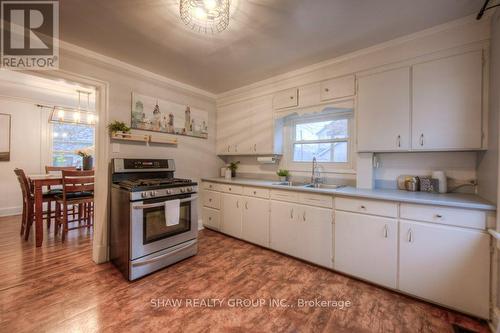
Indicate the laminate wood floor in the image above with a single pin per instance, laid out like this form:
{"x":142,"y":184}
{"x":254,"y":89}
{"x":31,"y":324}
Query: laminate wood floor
{"x":57,"y":288}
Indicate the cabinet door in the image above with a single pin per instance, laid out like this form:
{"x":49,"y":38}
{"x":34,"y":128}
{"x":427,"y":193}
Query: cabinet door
{"x":447,"y":102}
{"x":211,"y":218}
{"x":256,"y":221}
{"x":231,"y":212}
{"x":233,"y":135}
{"x":446,"y":265}
{"x":286,"y":99}
{"x":367,"y":247}
{"x":384,"y":111}
{"x":262,"y":131}
{"x":283,"y":225}
{"x":309,"y":95}
{"x":337,"y":88}
{"x":315,"y":235}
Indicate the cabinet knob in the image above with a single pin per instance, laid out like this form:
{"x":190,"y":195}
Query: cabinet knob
{"x":327,"y":90}
{"x":291,"y":97}
{"x":210,"y":219}
{"x":362,"y":207}
{"x":210,"y":200}
{"x":439,"y":216}
{"x":254,"y":192}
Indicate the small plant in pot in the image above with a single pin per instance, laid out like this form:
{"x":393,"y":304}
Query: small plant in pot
{"x":118,"y":126}
{"x":87,"y":159}
{"x":283,"y":174}
{"x":233,"y":166}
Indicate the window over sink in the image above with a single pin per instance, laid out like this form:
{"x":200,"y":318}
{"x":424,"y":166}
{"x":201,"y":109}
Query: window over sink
{"x":327,"y":137}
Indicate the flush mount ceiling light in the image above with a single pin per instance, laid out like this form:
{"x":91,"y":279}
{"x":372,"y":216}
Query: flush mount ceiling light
{"x":205,"y":16}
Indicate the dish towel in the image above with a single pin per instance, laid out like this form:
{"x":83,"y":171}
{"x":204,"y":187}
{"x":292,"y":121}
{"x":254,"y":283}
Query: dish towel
{"x":172,"y":208}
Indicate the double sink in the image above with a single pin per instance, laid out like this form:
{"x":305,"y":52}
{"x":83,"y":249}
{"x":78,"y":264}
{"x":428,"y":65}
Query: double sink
{"x":309,"y":185}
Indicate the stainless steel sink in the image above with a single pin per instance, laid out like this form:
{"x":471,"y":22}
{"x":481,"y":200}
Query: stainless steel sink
{"x":324,"y":186}
{"x":290,"y":184}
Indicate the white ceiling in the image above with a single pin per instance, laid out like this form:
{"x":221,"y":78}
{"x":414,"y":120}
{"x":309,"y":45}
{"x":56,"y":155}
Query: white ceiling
{"x":265,"y":37}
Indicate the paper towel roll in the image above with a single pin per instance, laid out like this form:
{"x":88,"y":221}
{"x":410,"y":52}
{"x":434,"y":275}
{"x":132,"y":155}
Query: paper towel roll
{"x":266,"y":159}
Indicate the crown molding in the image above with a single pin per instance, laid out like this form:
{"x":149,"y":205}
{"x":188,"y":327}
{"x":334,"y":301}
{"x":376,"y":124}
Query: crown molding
{"x":86,"y":53}
{"x":471,"y":19}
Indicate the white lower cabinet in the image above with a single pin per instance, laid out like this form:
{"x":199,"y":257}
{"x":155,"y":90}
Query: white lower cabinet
{"x":315,"y":235}
{"x":283,"y":227}
{"x":231,"y":214}
{"x":302,"y":231}
{"x":255,"y":227}
{"x":367,"y":247}
{"x":446,"y":265}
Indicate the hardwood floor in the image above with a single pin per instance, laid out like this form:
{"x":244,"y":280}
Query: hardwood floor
{"x":57,"y":288}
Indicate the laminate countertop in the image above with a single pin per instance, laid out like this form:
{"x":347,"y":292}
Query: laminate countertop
{"x":459,"y":200}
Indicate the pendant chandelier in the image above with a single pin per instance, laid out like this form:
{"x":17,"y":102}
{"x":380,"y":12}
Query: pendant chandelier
{"x":205,"y":16}
{"x":79,"y":115}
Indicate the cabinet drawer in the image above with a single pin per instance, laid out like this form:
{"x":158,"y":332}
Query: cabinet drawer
{"x":367,"y":206}
{"x":337,"y":88}
{"x":211,"y":186}
{"x":285,"y":195}
{"x":234,"y":189}
{"x":444,"y":215}
{"x":211,"y":218}
{"x":256,"y":192}
{"x":316,"y":200}
{"x":211,"y":199}
{"x":285,"y":99}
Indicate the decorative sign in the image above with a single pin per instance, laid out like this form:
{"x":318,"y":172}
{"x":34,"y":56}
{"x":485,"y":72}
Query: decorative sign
{"x":4,"y":137}
{"x":158,"y":115}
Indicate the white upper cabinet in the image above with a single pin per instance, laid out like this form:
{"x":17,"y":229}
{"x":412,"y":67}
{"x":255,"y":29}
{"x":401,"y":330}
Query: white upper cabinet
{"x":384,"y":111}
{"x":337,"y":88}
{"x":309,"y":95}
{"x":246,"y":128}
{"x":447,"y":103}
{"x":286,"y":99}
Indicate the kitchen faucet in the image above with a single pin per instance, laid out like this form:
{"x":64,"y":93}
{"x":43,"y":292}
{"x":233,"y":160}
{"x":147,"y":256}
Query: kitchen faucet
{"x":315,"y":177}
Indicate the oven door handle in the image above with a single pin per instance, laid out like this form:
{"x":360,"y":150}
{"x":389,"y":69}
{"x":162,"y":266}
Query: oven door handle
{"x":159,"y":204}
{"x":151,"y":260}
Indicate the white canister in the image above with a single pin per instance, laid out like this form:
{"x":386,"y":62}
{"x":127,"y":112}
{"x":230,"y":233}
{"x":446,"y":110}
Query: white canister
{"x":441,"y":176}
{"x":228,"y":174}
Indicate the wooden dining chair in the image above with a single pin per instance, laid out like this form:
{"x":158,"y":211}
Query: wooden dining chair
{"x":29,"y":203}
{"x":57,"y":189}
{"x":78,"y":189}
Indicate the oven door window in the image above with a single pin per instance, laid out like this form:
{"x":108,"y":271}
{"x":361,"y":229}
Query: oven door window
{"x":155,"y":226}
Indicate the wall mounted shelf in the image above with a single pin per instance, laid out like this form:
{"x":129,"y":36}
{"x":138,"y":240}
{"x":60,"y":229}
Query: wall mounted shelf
{"x":133,"y":137}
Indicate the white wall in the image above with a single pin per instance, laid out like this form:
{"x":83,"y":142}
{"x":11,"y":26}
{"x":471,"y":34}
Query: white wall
{"x":25,"y":151}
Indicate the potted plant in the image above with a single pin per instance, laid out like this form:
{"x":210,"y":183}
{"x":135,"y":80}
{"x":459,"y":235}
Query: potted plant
{"x":283,"y":174}
{"x":87,"y":159}
{"x":233,"y":166}
{"x":118,"y":126}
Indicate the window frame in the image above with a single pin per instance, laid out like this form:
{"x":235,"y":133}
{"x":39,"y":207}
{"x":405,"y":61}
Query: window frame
{"x":328,"y":167}
{"x":51,"y":126}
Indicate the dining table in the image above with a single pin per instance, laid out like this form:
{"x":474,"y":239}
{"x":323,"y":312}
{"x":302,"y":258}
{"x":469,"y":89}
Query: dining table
{"x":38,"y":182}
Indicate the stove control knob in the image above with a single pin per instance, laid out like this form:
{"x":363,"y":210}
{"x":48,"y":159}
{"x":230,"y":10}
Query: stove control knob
{"x":190,"y":189}
{"x":152,"y":193}
{"x":169,"y":191}
{"x":183,"y":190}
{"x":144,"y":194}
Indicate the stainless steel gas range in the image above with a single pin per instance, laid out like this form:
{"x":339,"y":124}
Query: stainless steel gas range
{"x":141,"y":241}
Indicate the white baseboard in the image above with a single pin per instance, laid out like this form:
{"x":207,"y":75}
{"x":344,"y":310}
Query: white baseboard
{"x":200,"y":224}
{"x":9,"y":211}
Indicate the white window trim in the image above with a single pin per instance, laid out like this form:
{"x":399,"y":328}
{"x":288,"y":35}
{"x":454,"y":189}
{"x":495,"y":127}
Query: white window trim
{"x":328,"y":167}
{"x":50,"y":139}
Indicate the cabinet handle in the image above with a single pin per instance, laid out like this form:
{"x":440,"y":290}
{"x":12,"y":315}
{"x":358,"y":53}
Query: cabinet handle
{"x":254,"y":192}
{"x":386,"y":231}
{"x":291,"y":213}
{"x":422,"y":139}
{"x":210,"y":200}
{"x":246,"y":205}
{"x":210,"y":186}
{"x":236,"y":148}
{"x":399,"y":141}
{"x":362,"y":207}
{"x":439,"y":216}
{"x":228,"y":148}
{"x":255,"y":147}
{"x":304,"y":216}
{"x":229,"y":189}
{"x":210,"y":219}
{"x":410,"y":236}
{"x":237,"y":204}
